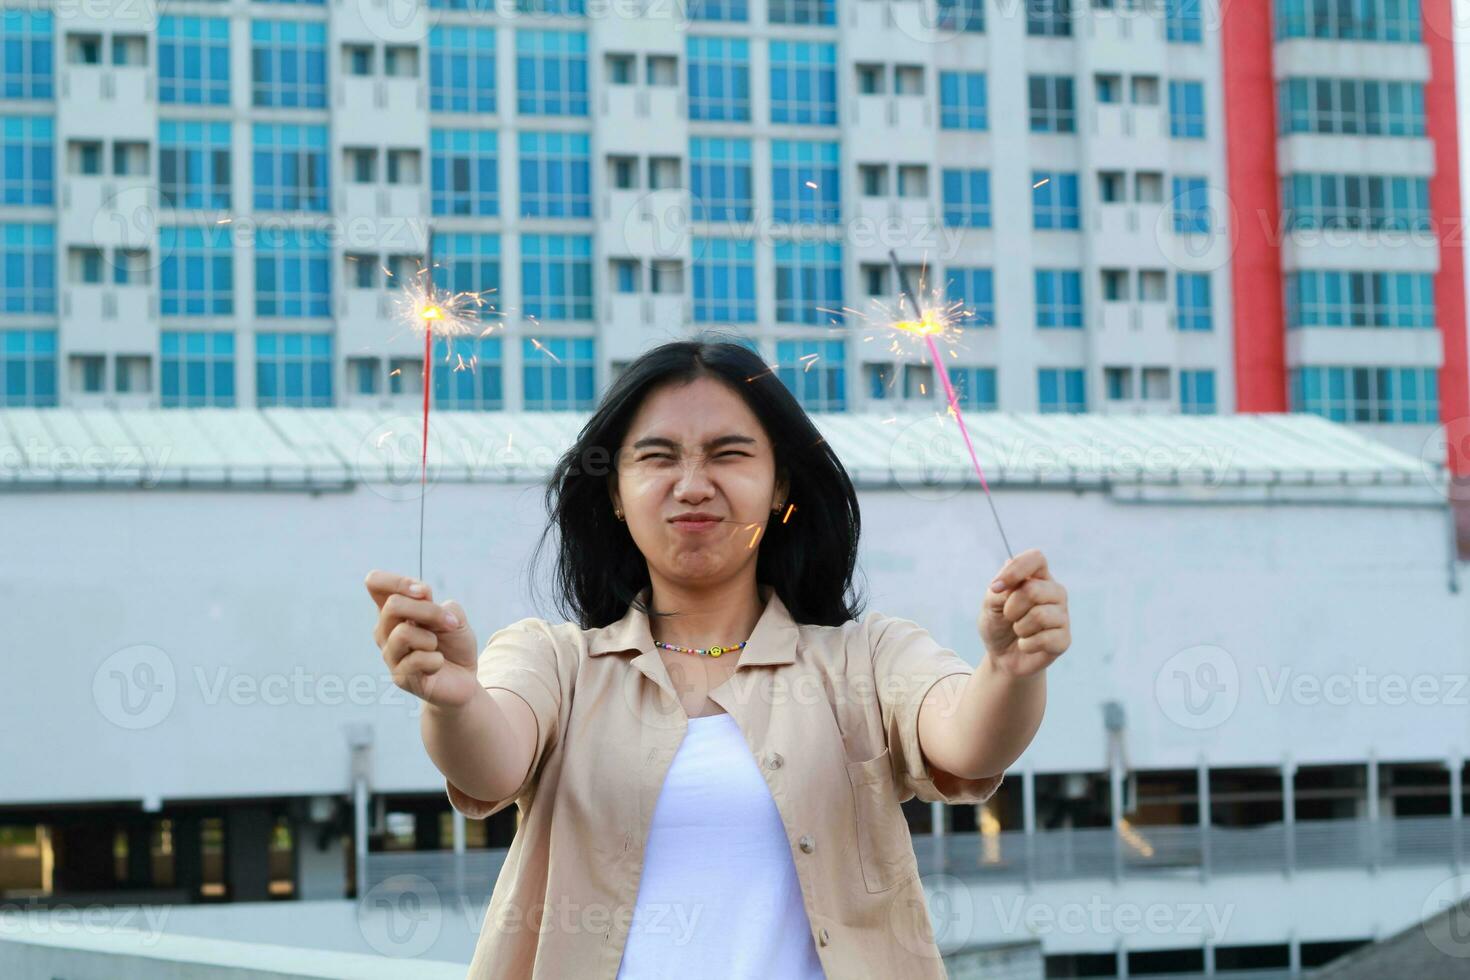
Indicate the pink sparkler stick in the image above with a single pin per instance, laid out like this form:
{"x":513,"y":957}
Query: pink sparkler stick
{"x":954,"y":403}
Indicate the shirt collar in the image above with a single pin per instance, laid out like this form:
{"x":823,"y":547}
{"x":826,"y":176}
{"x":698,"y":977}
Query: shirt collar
{"x":773,"y":641}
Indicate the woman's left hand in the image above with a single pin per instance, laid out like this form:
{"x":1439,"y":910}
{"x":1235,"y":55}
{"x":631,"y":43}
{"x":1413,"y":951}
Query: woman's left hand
{"x":1024,"y":622}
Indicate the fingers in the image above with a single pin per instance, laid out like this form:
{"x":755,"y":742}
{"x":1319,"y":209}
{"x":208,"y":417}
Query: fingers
{"x":425,"y":612}
{"x":1034,"y":592}
{"x":1039,"y":618}
{"x":415,"y":667}
{"x":1028,"y":564}
{"x":381,"y":585}
{"x":406,"y":639}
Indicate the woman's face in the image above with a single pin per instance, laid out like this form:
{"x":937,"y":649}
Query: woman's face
{"x":697,"y":448}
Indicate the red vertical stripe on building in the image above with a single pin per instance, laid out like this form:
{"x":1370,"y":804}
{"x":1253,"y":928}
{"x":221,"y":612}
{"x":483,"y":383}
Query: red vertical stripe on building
{"x":1255,"y":220}
{"x":1440,"y":109}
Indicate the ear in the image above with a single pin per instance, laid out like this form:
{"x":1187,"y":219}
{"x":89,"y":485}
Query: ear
{"x":783,"y":489}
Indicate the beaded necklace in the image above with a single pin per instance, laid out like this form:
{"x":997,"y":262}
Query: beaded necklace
{"x":709,"y":652}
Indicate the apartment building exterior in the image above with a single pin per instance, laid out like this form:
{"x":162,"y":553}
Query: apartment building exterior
{"x":1132,"y":205}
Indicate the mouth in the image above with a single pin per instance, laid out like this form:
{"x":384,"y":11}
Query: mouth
{"x":697,"y":523}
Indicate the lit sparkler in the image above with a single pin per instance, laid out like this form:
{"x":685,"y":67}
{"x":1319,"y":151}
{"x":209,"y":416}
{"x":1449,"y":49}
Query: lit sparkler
{"x":933,"y":321}
{"x":436,"y":312}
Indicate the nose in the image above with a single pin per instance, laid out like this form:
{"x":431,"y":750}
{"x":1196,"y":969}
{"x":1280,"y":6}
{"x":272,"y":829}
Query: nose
{"x":694,"y":483}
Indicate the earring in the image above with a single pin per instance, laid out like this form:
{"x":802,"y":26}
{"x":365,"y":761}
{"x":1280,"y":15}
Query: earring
{"x":619,"y":514}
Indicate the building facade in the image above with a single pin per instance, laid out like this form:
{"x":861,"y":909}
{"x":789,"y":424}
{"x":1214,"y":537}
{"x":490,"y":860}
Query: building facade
{"x":1133,"y":205}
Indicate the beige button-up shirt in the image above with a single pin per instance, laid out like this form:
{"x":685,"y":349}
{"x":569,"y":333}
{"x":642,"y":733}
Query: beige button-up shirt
{"x":831,"y":717}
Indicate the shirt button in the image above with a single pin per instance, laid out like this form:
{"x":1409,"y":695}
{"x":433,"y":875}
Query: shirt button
{"x":807,"y":844}
{"x":775,"y":761}
{"x":822,"y":936}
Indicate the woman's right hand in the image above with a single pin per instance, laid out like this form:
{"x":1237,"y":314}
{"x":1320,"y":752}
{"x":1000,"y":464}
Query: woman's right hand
{"x":429,"y":647}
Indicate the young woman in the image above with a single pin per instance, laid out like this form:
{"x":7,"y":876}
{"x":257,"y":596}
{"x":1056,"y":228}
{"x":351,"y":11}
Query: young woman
{"x":709,"y":756}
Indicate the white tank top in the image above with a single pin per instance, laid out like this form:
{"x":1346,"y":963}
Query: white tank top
{"x":718,"y":896}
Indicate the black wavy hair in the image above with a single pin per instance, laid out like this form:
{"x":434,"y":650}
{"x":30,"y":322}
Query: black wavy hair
{"x":808,"y":560}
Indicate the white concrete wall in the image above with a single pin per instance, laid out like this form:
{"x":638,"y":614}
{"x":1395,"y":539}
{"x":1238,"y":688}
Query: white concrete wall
{"x":245,"y":617}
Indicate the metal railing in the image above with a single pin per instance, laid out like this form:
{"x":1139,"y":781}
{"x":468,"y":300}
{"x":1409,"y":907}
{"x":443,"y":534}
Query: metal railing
{"x":1059,"y":855}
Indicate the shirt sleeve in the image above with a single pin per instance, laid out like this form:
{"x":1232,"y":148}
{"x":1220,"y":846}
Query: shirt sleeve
{"x":907,"y":662}
{"x":520,"y":658}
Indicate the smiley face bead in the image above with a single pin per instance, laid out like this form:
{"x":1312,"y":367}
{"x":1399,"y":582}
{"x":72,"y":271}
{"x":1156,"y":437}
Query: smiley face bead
{"x":716,"y":651}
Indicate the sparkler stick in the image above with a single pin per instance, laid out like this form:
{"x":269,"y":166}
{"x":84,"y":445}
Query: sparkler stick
{"x":438,"y":313}
{"x":927,"y":325}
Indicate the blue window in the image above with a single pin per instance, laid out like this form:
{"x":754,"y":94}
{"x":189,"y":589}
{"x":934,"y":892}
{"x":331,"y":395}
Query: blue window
{"x":962,"y":15}
{"x":805,"y":185}
{"x":720,"y":179}
{"x":467,"y":262}
{"x":1059,"y":299}
{"x":293,"y":272}
{"x":1197,"y":392}
{"x":963,"y":100}
{"x":819,"y":12}
{"x":293,"y":369}
{"x":966,"y":198}
{"x":1052,"y":104}
{"x":1182,"y":21}
{"x":974,"y":289}
{"x":719,"y":78}
{"x":28,"y":279}
{"x":1049,"y":18}
{"x":815,"y":372}
{"x":468,"y":373}
{"x":730,"y":11}
{"x":1187,"y":110}
{"x":1343,"y":298}
{"x":555,"y":175}
{"x":1349,"y":20}
{"x":1191,"y":205}
{"x":552,"y":8}
{"x":197,"y":273}
{"x":809,"y":283}
{"x":194,"y":60}
{"x":464,"y":171}
{"x":974,"y":387}
{"x":462,"y":69}
{"x":29,"y":150}
{"x":28,"y":364}
{"x":1366,"y":394}
{"x":804,"y":83}
{"x":1054,"y":200}
{"x":1351,"y":106}
{"x":1374,"y":202}
{"x":559,"y":373}
{"x":1193,"y":308}
{"x":551,"y":73}
{"x":1061,"y":390}
{"x":724,"y":281}
{"x":29,"y":51}
{"x":290,"y":167}
{"x":288,"y":60}
{"x":196,"y":368}
{"x":194,"y":164}
{"x":556,"y":277}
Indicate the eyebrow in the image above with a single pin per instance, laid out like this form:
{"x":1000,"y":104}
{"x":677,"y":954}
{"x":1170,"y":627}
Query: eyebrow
{"x":712,"y":444}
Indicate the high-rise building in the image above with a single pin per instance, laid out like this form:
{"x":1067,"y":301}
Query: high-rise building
{"x":1183,"y":206}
